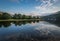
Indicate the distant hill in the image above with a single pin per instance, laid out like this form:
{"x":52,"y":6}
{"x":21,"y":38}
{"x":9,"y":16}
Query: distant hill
{"x":52,"y":17}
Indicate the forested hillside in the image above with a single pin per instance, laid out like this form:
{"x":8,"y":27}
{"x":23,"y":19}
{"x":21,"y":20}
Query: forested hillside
{"x":52,"y":17}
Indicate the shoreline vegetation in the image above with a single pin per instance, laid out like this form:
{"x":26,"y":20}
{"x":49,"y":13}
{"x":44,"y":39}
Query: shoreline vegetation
{"x":4,"y":16}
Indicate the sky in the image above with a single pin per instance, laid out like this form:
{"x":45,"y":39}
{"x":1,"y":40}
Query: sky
{"x":30,"y":7}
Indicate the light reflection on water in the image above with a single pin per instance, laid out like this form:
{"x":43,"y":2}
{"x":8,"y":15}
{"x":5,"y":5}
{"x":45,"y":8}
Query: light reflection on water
{"x":33,"y":31}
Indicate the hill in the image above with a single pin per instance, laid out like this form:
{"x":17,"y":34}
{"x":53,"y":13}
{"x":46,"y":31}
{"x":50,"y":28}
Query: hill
{"x":52,"y":17}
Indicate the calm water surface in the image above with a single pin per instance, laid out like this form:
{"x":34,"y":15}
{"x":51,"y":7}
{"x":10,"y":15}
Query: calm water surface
{"x":29,"y":31}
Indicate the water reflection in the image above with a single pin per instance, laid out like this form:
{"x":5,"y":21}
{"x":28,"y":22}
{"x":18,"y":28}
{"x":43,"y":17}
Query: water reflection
{"x":17,"y":23}
{"x":5,"y":24}
{"x":30,"y":31}
{"x":57,"y":23}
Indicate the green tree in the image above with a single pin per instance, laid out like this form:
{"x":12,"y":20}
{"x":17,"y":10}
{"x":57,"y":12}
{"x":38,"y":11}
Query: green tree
{"x":34,"y":17}
{"x":0,"y":16}
{"x":19,"y":16}
{"x":15,"y":16}
{"x":23,"y":16}
{"x":29,"y":17}
{"x":38,"y":17}
{"x":6,"y":16}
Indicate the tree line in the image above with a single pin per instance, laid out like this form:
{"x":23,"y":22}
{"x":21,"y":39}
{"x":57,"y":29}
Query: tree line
{"x":5,"y":15}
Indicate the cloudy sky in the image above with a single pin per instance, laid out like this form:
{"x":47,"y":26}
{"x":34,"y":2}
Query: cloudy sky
{"x":32,"y":7}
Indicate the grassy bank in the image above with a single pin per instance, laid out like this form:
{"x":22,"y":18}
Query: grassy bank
{"x":21,"y":20}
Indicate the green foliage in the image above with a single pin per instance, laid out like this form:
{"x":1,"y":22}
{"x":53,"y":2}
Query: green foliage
{"x":15,"y":16}
{"x":23,"y":16}
{"x":34,"y":17}
{"x":5,"y":15}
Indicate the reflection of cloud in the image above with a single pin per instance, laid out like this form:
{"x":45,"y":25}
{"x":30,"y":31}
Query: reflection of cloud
{"x":45,"y":28}
{"x":47,"y":6}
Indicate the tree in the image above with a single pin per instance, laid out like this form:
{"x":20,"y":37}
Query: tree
{"x":0,"y":16}
{"x":6,"y":16}
{"x":29,"y":17}
{"x":38,"y":17}
{"x":23,"y":16}
{"x":19,"y":16}
{"x":34,"y":17}
{"x":15,"y":16}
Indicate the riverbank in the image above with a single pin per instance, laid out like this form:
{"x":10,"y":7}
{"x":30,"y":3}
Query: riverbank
{"x":22,"y":20}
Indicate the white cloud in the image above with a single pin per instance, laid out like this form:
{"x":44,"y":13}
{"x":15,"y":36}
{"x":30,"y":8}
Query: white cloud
{"x":47,"y":6}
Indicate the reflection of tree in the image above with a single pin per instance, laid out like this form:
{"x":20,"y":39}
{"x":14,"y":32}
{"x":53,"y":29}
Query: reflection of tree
{"x":37,"y":21}
{"x":0,"y":25}
{"x":24,"y":22}
{"x":29,"y":21}
{"x":55,"y":23}
{"x":34,"y":21}
{"x":17,"y":23}
{"x":5,"y":24}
